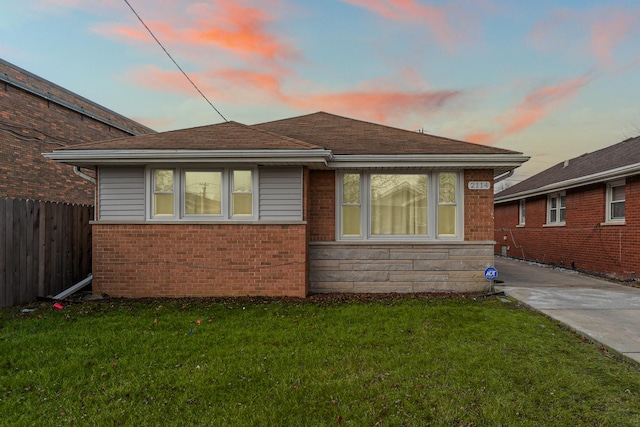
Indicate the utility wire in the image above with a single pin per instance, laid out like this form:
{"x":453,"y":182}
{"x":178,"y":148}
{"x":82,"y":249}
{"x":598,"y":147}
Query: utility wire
{"x":173,"y":60}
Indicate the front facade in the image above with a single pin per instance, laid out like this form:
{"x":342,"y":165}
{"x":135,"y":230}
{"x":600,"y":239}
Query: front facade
{"x":583,"y":213}
{"x":317,"y":203}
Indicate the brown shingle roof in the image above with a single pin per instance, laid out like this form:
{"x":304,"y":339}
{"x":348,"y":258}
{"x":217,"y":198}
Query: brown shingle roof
{"x":224,"y":136}
{"x":615,"y":156}
{"x":344,"y":135}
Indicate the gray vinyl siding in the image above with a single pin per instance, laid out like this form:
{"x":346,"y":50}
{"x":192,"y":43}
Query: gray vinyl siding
{"x":121,"y":194}
{"x":280,"y":194}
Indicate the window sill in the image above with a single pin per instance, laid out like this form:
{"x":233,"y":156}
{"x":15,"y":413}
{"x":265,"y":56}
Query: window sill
{"x":520,"y":226}
{"x":181,"y":222}
{"x":407,"y":243}
{"x":559,"y":224}
{"x":614,"y":223}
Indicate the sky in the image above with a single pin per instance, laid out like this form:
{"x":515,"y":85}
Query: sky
{"x":551,"y":79}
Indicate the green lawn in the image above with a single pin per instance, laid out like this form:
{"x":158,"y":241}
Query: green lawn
{"x":388,"y":361}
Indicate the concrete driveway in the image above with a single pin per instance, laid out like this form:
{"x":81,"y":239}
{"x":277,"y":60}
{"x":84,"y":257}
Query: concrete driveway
{"x":606,"y":312}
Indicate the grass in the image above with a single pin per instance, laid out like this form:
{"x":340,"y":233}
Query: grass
{"x":393,"y":361}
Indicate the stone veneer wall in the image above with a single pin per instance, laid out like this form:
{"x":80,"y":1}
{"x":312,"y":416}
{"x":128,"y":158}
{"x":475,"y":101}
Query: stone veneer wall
{"x":394,"y":267}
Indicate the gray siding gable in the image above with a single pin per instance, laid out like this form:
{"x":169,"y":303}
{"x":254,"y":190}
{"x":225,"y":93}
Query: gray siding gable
{"x":121,"y":193}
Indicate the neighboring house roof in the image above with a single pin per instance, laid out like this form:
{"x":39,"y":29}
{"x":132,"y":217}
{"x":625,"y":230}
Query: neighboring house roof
{"x":15,"y":76}
{"x":613,"y":162}
{"x":322,"y":139}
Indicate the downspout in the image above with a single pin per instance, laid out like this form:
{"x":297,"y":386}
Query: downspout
{"x":81,"y":174}
{"x":83,"y":283}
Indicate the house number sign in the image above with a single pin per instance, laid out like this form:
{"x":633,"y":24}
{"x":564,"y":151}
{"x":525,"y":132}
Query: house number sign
{"x":479,"y":185}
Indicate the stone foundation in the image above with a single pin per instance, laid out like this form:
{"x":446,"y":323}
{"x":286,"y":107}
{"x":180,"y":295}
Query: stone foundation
{"x":399,"y":267}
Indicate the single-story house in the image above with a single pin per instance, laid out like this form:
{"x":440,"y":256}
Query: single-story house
{"x":311,"y":204}
{"x":583,"y":213}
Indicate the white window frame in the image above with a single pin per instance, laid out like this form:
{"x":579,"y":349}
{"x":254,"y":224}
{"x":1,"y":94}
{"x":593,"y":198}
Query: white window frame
{"x":522,"y":212}
{"x":610,"y":201}
{"x":223,"y":195}
{"x":558,"y":209}
{"x":252,"y":192}
{"x":152,"y":192}
{"x":179,"y":195}
{"x":432,"y":206}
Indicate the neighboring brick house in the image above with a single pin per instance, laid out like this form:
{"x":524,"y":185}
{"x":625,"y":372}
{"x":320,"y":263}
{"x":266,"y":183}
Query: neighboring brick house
{"x":317,"y":203}
{"x":45,"y":238}
{"x":583,"y":213}
{"x":37,"y":116}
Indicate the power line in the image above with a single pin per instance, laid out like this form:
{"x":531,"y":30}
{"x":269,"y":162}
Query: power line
{"x":173,"y":60}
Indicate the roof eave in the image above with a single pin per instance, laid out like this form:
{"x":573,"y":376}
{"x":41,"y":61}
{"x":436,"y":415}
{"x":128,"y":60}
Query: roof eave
{"x":499,"y":162}
{"x":131,"y":157}
{"x":609,"y":175}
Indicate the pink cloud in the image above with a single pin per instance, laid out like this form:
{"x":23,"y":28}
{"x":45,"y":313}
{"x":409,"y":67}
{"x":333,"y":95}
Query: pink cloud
{"x":436,"y":18}
{"x":596,"y":32}
{"x":607,"y":34}
{"x":249,"y":87}
{"x":226,"y":24}
{"x":539,"y":104}
{"x":377,"y":104}
{"x":241,"y":86}
{"x":481,"y":138}
{"x":251,"y":81}
{"x":534,"y":107}
{"x":240,"y":29}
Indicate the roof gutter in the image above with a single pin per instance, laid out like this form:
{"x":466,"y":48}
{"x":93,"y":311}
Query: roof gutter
{"x":609,"y":175}
{"x":503,"y":162}
{"x":131,"y":157}
{"x":503,"y":176}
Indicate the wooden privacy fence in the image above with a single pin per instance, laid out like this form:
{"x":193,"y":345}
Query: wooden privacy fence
{"x":45,"y":248}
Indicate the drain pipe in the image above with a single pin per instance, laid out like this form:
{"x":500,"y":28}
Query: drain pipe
{"x":81,"y":174}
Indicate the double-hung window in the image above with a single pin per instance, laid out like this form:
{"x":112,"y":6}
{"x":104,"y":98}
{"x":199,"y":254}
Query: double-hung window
{"x":242,"y":193}
{"x":616,"y":201}
{"x":202,"y":194}
{"x":404,"y":206}
{"x":556,"y":208}
{"x":163,"y":192}
{"x":522,"y":212}
{"x":351,"y":208}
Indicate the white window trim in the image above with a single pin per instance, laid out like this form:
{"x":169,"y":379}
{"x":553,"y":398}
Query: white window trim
{"x":432,"y":207}
{"x":179,"y":195}
{"x":558,"y":196}
{"x":150,"y":178}
{"x":340,"y":204}
{"x":522,"y":212}
{"x":610,"y":186}
{"x":202,"y":217}
{"x":254,"y":195}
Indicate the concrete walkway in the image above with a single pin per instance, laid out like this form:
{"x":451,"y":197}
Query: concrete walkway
{"x":606,"y":312}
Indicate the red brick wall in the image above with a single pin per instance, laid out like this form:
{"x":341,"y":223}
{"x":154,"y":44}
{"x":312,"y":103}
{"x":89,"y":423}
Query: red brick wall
{"x":175,"y":260}
{"x":31,"y":125}
{"x":478,"y":207}
{"x":584,"y":242}
{"x":322,"y":206}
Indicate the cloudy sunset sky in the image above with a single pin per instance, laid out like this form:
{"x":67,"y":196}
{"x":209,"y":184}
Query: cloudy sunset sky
{"x":551,"y":79}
